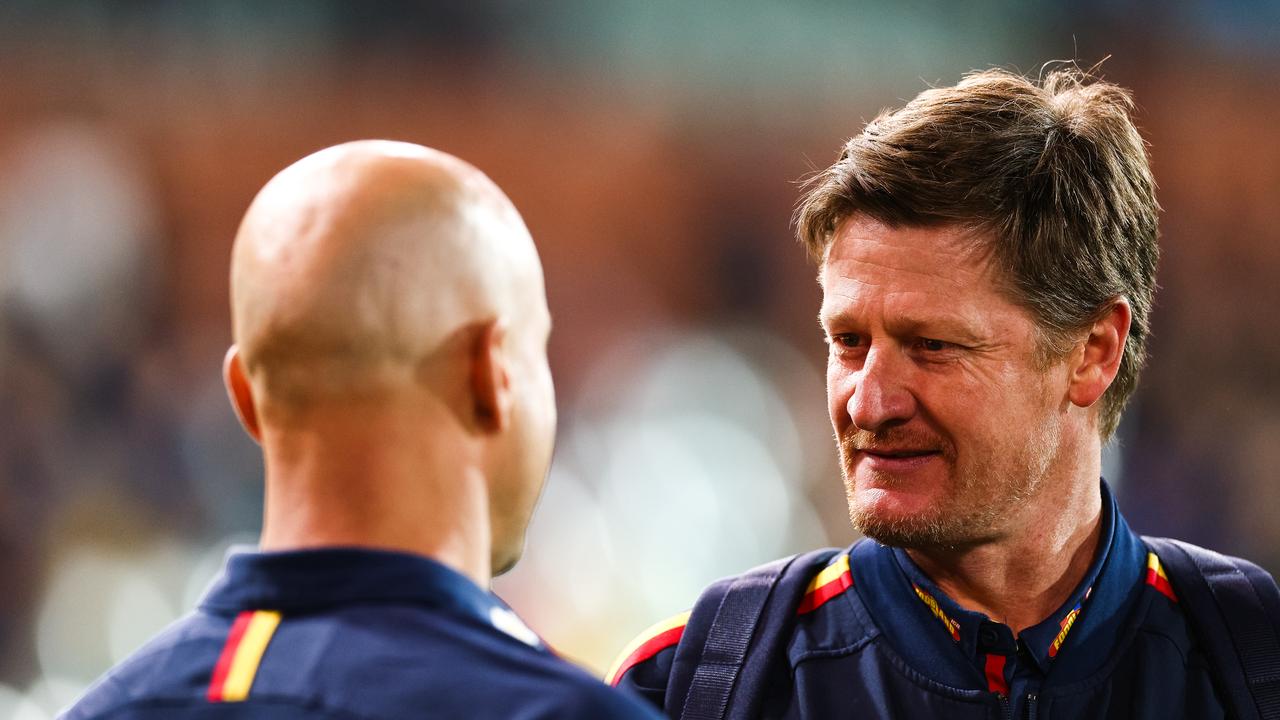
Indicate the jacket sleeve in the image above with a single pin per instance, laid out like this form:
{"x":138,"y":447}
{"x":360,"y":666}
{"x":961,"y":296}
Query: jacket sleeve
{"x":644,"y":666}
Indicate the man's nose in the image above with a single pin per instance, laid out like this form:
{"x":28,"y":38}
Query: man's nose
{"x":881,"y":397}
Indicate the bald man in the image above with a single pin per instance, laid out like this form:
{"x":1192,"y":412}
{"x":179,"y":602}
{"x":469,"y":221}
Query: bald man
{"x":390,"y":330}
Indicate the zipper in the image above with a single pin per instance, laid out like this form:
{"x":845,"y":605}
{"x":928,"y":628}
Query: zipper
{"x":1005,"y":710}
{"x":1031,"y":706}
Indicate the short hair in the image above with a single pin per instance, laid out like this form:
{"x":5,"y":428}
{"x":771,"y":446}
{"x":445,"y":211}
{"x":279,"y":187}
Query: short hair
{"x":1054,"y":175}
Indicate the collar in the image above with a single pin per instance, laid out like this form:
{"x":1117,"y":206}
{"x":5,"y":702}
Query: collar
{"x":926,"y":625}
{"x":300,"y":581}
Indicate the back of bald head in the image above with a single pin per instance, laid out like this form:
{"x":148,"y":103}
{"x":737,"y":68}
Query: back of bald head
{"x":354,"y":267}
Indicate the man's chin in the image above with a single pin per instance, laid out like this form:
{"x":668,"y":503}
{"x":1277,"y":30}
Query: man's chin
{"x":878,"y":505}
{"x":895,"y":532}
{"x":504,"y":561}
{"x":901,"y":527}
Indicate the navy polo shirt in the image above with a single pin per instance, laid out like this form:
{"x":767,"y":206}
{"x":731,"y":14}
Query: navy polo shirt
{"x":966,"y":648}
{"x":348,"y":633}
{"x":874,"y":637}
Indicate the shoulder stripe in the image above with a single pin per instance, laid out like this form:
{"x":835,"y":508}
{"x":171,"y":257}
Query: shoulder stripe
{"x":1157,"y":579}
{"x":238,"y":663}
{"x":652,"y":641}
{"x":833,"y":580}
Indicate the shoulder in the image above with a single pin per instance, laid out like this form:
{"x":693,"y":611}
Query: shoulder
{"x":1184,"y":558}
{"x":368,"y":662}
{"x":205,"y":665}
{"x":831,"y":581}
{"x":1221,"y":595}
{"x":504,"y":677}
{"x":586,"y":699}
{"x":643,"y":668}
{"x":459,"y":667}
{"x":809,"y":582}
{"x":172,"y":666}
{"x":1157,"y":578}
{"x":1162,"y":624}
{"x":660,"y":636}
{"x":1197,"y":577}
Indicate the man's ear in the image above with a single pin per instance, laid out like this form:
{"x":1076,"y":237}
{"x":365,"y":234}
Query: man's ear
{"x":1097,"y":361}
{"x":490,"y":380}
{"x":240,"y":392}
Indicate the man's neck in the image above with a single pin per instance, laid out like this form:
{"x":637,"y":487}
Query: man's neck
{"x":366,"y":487}
{"x":1025,"y":576}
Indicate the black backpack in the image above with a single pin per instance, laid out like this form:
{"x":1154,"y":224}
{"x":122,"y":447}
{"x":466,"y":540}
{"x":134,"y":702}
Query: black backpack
{"x":1233,"y":607}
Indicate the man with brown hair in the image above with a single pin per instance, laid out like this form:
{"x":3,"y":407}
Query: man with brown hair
{"x":987,"y":257}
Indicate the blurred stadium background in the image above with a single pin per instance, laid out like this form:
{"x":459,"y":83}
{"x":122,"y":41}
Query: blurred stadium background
{"x":653,"y":147}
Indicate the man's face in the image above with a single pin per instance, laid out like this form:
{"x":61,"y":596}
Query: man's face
{"x":945,"y":418}
{"x":532,"y":438}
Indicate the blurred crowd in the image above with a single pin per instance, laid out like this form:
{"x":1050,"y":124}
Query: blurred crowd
{"x":655,"y":159}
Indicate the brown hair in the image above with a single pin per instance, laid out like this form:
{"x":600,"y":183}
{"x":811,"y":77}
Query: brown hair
{"x":1054,"y":173}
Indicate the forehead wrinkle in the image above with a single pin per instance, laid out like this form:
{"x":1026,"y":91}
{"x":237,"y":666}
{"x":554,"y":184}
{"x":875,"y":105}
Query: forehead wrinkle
{"x":883,"y":291}
{"x":898,"y":320}
{"x":875,"y":271}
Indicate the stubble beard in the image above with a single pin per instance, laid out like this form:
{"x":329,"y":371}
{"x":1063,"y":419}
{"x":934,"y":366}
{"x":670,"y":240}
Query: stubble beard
{"x":972,"y":511}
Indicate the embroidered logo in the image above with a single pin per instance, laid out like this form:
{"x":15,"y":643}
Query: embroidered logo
{"x":952,"y":626}
{"x":1066,"y":624}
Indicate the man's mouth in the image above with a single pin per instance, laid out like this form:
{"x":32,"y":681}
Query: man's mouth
{"x":897,"y":453}
{"x":896,"y":460}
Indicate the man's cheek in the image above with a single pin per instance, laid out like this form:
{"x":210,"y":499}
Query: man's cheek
{"x":838,"y":391}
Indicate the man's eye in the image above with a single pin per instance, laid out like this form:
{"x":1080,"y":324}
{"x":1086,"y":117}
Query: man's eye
{"x":932,"y":345}
{"x":845,"y":340}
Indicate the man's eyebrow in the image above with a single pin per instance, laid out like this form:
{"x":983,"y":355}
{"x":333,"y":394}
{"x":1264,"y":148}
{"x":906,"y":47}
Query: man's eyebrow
{"x":953,"y":326}
{"x":834,"y":317}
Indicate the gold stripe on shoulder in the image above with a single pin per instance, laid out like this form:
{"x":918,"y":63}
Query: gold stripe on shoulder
{"x":653,"y":631}
{"x":830,"y":573}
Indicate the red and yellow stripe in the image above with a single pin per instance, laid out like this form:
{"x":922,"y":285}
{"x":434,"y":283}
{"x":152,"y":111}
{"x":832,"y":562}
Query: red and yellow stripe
{"x":238,"y":663}
{"x":833,"y":580}
{"x":1157,"y":579}
{"x":652,"y":641}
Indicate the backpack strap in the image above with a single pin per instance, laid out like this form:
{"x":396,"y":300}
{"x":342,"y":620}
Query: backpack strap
{"x":1234,"y":606}
{"x":713,"y":676}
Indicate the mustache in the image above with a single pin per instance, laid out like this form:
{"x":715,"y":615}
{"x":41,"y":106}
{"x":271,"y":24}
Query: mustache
{"x":854,"y":439}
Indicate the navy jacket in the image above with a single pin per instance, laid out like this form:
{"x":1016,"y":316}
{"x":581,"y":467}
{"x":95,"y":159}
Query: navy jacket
{"x":875,"y":638}
{"x":352,"y":634}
